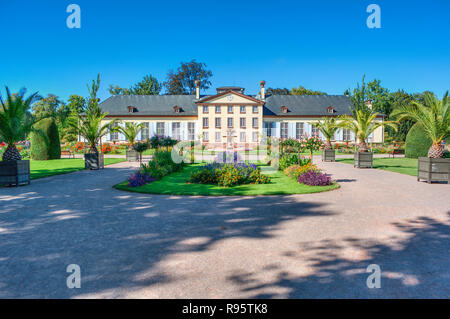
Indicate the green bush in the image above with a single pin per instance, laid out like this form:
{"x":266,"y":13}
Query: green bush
{"x":292,"y":159}
{"x":45,"y":144}
{"x":418,"y":143}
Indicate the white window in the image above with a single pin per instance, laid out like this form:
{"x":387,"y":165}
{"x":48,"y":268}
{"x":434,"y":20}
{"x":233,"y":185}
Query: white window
{"x":205,"y":122}
{"x":218,"y":122}
{"x":218,"y":136}
{"x":255,"y":136}
{"x":160,"y":129}
{"x":346,"y":134}
{"x":205,"y":137}
{"x":114,"y":135}
{"x":255,"y":109}
{"x":284,"y":129}
{"x":242,"y":108}
{"x":299,"y":130}
{"x":176,"y":131}
{"x":230,"y":122}
{"x":217,"y":109}
{"x":230,"y":109}
{"x":314,"y":131}
{"x":242,"y":137}
{"x":242,"y":122}
{"x":144,"y":131}
{"x":255,"y":122}
{"x":205,"y":109}
{"x":191,"y":131}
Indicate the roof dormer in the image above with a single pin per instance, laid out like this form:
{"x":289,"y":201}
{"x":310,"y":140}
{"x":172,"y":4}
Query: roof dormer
{"x":331,"y":110}
{"x":177,"y":109}
{"x":284,"y":109}
{"x":132,"y":109}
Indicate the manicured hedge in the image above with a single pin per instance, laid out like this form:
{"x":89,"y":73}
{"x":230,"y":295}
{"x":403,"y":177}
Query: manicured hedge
{"x":418,"y":143}
{"x":45,"y":144}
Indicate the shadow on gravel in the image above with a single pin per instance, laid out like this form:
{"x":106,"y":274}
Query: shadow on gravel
{"x":416,"y":267}
{"x":115,"y":237}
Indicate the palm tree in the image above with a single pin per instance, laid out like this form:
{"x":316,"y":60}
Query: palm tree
{"x":16,"y":121}
{"x":328,"y":126}
{"x":90,"y":125}
{"x":433,"y":115}
{"x":130,"y":130}
{"x":362,"y":124}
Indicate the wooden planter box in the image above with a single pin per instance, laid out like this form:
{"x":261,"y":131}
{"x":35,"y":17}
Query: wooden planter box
{"x":434,"y":169}
{"x":94,"y":161}
{"x":132,"y":156}
{"x":329,"y":155}
{"x":15,"y":172}
{"x":363,"y":160}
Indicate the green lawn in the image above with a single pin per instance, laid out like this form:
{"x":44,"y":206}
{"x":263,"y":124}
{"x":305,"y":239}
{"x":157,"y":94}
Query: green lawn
{"x":39,"y":169}
{"x":401,"y":165}
{"x":175,"y":184}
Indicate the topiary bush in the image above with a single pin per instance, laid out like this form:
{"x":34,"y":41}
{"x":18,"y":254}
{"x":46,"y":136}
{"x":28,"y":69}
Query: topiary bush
{"x":418,"y":142}
{"x":45,"y":144}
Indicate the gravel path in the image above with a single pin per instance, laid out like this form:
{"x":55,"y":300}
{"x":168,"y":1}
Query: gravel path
{"x":152,"y":246}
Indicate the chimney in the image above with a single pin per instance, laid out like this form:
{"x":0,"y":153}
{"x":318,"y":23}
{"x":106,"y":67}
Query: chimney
{"x":263,"y":94}
{"x":197,"y":89}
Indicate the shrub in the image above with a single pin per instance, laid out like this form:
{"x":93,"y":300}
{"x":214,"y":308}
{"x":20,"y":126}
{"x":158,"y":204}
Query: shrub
{"x":139,"y":179}
{"x":161,"y":166}
{"x":418,"y":143}
{"x":295,"y":171}
{"x":45,"y":142}
{"x":203,"y":176}
{"x":314,"y":178}
{"x":292,"y":159}
{"x":106,"y":148}
{"x":229,"y":174}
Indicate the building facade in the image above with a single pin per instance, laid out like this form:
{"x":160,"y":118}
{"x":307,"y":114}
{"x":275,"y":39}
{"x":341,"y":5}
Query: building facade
{"x":230,"y":118}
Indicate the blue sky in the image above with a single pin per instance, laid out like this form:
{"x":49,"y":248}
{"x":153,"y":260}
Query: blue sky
{"x":322,"y":45}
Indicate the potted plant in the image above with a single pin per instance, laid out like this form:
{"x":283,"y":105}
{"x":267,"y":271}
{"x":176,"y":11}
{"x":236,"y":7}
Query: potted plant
{"x":362,"y":123}
{"x":16,"y":122}
{"x":312,"y":144}
{"x":90,"y":127}
{"x":130,"y":130}
{"x":328,"y":126}
{"x":140,"y":148}
{"x":434,"y":117}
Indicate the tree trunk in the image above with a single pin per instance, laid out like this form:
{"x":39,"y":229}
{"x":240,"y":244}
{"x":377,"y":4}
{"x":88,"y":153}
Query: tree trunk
{"x":436,"y":151}
{"x":11,"y":153}
{"x":93,"y":149}
{"x":328,"y":145}
{"x":362,"y":147}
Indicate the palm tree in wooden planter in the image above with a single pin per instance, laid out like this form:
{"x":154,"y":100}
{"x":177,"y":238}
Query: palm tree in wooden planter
{"x":328,"y":126}
{"x":90,"y":126}
{"x":16,"y":122}
{"x":434,"y":117}
{"x":131,"y":130}
{"x":362,"y":124}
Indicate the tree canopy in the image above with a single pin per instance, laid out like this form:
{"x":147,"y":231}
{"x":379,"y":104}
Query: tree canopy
{"x":182,"y":81}
{"x":148,"y":86}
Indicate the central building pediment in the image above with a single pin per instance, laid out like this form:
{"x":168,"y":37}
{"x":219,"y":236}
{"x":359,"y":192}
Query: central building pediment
{"x":230,"y":97}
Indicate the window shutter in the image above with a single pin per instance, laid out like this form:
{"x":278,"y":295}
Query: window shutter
{"x":291,"y":130}
{"x":183,"y":133}
{"x":167,"y":129}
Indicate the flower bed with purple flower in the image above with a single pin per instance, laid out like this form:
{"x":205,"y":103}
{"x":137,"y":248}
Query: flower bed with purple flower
{"x":139,"y":179}
{"x":314,"y":178}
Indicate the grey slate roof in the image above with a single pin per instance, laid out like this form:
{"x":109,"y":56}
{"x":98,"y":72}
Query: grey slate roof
{"x":307,"y":104}
{"x":161,"y":105}
{"x":149,"y":104}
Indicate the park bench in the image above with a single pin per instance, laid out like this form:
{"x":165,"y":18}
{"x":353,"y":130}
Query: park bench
{"x":396,"y":151}
{"x":67,"y":153}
